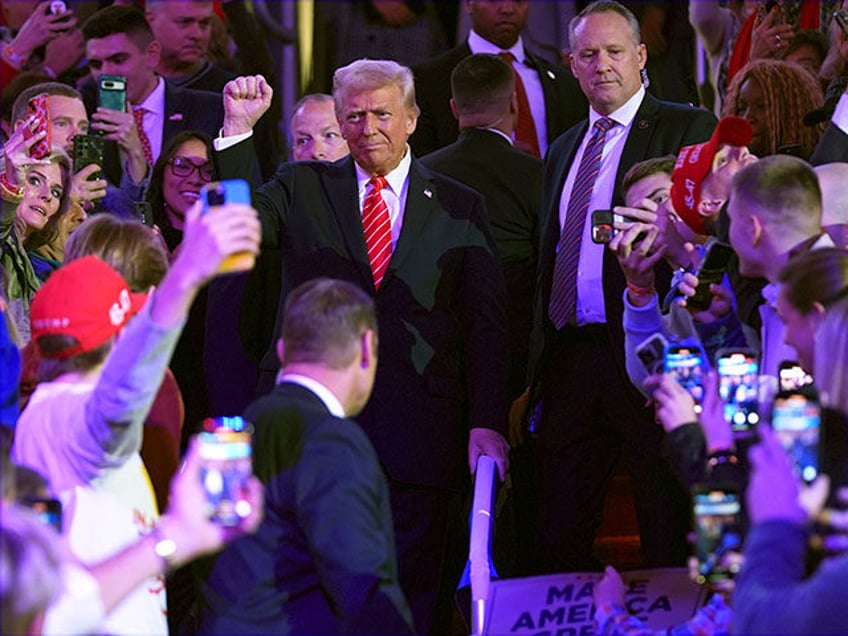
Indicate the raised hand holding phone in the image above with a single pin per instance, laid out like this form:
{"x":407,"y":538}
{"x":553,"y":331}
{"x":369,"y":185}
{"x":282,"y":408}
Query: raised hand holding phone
{"x":219,"y":193}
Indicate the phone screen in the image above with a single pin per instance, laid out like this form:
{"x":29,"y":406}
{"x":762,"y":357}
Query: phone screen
{"x":602,"y":226}
{"x":686,"y":365}
{"x":792,"y":376}
{"x":225,"y":454}
{"x":711,"y":272}
{"x":796,"y":420}
{"x":738,"y":387}
{"x":651,"y":352}
{"x":39,"y":106}
{"x":718,"y":529}
{"x":49,"y":511}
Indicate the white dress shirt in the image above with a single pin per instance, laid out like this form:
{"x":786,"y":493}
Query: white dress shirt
{"x":321,"y":392}
{"x":394,"y":194}
{"x":590,"y":289}
{"x":529,"y":76}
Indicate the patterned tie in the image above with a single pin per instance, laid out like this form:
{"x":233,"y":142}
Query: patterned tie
{"x":525,"y":128}
{"x":138,"y":115}
{"x":378,"y":229}
{"x":563,"y":304}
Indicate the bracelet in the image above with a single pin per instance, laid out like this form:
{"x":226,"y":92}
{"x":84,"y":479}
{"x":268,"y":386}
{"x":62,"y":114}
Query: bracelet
{"x":13,"y":59}
{"x":10,"y":193}
{"x":164,"y":547}
{"x":641,"y":291}
{"x":722,"y":457}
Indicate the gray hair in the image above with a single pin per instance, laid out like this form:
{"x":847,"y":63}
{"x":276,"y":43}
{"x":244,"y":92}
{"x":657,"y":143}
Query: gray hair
{"x":369,"y":75}
{"x":605,"y":6}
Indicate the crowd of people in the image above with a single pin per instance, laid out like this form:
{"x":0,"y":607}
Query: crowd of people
{"x":419,"y":284}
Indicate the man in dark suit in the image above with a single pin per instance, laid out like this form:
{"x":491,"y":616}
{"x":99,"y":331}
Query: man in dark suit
{"x":418,"y":242}
{"x":323,"y":560}
{"x":119,"y":41}
{"x":586,"y":410}
{"x":553,"y":97}
{"x":486,"y":105}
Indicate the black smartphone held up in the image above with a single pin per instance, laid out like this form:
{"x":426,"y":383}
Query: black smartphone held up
{"x":686,"y":364}
{"x":710,"y":272}
{"x":651,"y":352}
{"x":796,"y":420}
{"x":603,"y":228}
{"x":738,"y":386}
{"x":225,"y":453}
{"x":49,"y":510}
{"x":88,"y":149}
{"x":112,"y":92}
{"x":718,"y":527}
{"x":792,"y":376}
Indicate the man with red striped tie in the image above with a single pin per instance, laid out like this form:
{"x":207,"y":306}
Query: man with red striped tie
{"x":420,"y":244}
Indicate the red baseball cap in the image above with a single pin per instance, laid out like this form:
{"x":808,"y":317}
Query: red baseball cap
{"x":86,"y":299}
{"x":694,"y":163}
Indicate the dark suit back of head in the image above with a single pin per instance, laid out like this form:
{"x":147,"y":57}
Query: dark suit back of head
{"x":482,"y":86}
{"x":324,"y":320}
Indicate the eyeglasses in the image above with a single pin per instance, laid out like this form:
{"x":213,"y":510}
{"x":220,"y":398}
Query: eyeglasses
{"x":183,"y":167}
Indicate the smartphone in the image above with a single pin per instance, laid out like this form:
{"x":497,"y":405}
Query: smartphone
{"x":792,"y":376}
{"x":40,"y":107}
{"x":49,"y":510}
{"x":88,"y":149}
{"x":222,"y":192}
{"x":651,"y":352}
{"x":603,"y":228}
{"x":686,"y":364}
{"x":225,"y":454}
{"x":738,"y":386}
{"x":718,"y":528}
{"x":796,"y":420}
{"x":144,"y":212}
{"x":710,"y":272}
{"x":112,"y":92}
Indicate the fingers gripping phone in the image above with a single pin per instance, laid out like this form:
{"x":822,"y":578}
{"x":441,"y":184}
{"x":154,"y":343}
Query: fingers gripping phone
{"x":796,"y":420}
{"x":39,"y":107}
{"x":738,"y":377}
{"x":711,"y":272}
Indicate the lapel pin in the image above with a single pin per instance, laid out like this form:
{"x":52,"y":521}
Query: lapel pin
{"x":551,"y":74}
{"x":643,"y":123}
{"x":428,"y":193}
{"x":176,"y":117}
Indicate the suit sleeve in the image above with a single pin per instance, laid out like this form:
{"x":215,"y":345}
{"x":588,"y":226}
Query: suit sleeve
{"x":700,"y":129}
{"x":832,"y":147}
{"x":483,"y":298}
{"x":270,"y":199}
{"x":342,"y":505}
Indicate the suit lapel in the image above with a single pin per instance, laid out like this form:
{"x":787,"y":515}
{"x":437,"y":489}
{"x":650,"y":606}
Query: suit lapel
{"x":421,"y":203}
{"x":638,"y":142}
{"x":341,"y":191}
{"x":173,"y":117}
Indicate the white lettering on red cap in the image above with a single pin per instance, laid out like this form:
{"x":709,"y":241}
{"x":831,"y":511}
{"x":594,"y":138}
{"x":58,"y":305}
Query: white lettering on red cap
{"x":689,"y":198}
{"x":118,"y":311}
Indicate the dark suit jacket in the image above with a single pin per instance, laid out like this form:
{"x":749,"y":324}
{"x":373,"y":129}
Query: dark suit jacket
{"x":323,"y":560}
{"x":511,"y":183}
{"x":440,"y":306}
{"x":185,"y":109}
{"x":659,"y":128}
{"x":832,"y":147}
{"x":565,"y":104}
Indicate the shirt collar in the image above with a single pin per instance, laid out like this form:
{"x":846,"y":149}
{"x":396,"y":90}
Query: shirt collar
{"x":478,"y":44}
{"x":396,"y":177}
{"x":322,"y":393}
{"x":625,"y":114}
{"x":155,"y":102}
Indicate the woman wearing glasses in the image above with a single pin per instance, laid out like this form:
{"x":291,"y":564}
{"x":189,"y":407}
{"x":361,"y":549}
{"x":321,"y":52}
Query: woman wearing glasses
{"x":182,"y":169}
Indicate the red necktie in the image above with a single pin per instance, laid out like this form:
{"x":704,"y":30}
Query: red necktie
{"x":378,"y":229}
{"x":525,"y":129}
{"x":563,"y":303}
{"x":138,"y":114}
